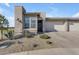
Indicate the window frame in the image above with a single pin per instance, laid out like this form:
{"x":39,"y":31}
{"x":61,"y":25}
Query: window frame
{"x":27,"y":21}
{"x":33,"y":24}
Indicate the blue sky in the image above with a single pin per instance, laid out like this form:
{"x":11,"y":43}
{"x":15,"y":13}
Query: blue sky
{"x":51,"y":10}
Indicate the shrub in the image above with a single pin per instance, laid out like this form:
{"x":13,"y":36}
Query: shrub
{"x":29,"y":35}
{"x":49,"y":42}
{"x":9,"y":35}
{"x":35,"y":45}
{"x":44,"y":36}
{"x":18,"y":36}
{"x":19,"y":42}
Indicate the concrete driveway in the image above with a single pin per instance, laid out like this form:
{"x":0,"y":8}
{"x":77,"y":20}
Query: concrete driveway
{"x":67,"y":43}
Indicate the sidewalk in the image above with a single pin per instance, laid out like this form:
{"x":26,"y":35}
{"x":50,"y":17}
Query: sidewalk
{"x":52,"y":51}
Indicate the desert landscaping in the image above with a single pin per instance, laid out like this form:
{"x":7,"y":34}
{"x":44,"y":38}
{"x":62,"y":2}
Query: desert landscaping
{"x":58,"y":43}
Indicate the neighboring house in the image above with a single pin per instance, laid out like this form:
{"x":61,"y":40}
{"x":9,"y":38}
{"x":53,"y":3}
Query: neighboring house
{"x":36,"y":22}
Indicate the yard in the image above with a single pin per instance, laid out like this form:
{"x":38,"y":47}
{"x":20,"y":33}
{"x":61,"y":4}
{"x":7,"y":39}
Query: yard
{"x":58,"y":39}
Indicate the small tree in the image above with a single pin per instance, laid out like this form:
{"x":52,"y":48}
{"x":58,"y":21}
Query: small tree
{"x":3,"y":24}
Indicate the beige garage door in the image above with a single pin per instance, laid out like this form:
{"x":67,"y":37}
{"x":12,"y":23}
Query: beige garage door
{"x":74,"y":25}
{"x":55,"y":26}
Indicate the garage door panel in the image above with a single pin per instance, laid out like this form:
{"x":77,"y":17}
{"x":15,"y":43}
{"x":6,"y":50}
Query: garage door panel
{"x":74,"y":26}
{"x":55,"y":26}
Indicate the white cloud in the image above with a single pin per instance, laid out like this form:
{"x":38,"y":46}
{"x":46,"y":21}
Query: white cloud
{"x":11,"y":20}
{"x":76,"y":15}
{"x":7,"y":4}
{"x":49,"y":15}
{"x":4,"y":10}
{"x":1,"y":11}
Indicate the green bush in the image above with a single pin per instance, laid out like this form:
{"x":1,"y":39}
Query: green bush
{"x":49,"y":42}
{"x":44,"y":36}
{"x":9,"y":35}
{"x":29,"y":35}
{"x":35,"y":45}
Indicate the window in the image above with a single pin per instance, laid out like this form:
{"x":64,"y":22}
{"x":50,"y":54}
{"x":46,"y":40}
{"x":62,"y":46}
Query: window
{"x":30,"y":22}
{"x":33,"y":23}
{"x":26,"y":24}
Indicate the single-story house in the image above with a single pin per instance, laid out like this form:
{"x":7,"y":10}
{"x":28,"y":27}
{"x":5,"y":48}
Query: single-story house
{"x":37,"y":22}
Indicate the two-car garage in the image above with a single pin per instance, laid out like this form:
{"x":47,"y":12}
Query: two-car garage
{"x":61,"y":24}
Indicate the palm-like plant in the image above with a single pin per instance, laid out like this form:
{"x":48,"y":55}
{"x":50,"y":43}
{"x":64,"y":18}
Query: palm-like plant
{"x":3,"y":24}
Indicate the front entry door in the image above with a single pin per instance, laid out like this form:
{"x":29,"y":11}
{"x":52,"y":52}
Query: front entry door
{"x":40,"y":26}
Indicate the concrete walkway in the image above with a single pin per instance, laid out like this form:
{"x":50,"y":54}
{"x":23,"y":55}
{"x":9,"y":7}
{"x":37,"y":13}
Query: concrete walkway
{"x":66,"y":43}
{"x":52,"y":51}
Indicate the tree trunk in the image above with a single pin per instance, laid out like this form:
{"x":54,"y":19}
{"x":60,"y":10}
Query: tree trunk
{"x":1,"y":34}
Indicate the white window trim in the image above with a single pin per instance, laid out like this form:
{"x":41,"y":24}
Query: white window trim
{"x":35,"y":21}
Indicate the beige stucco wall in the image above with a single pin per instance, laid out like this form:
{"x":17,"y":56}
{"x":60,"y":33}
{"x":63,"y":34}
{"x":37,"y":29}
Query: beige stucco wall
{"x":74,"y":25}
{"x":19,"y":20}
{"x":55,"y":26}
